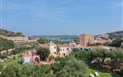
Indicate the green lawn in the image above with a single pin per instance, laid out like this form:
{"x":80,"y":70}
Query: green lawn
{"x":102,"y":74}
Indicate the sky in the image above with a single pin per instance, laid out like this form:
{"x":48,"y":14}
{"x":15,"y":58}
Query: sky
{"x":61,"y":17}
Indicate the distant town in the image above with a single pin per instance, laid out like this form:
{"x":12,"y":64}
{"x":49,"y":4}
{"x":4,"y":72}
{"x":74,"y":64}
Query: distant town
{"x":15,"y":48}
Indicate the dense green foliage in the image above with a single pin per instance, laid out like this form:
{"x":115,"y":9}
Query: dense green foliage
{"x":43,"y":53}
{"x":84,"y":55}
{"x":64,"y":67}
{"x":15,"y":52}
{"x":10,"y":33}
{"x":95,"y":44}
{"x":3,"y":56}
{"x":116,"y":43}
{"x":26,"y":70}
{"x":6,"y":44}
{"x":69,"y":67}
{"x":43,"y":40}
{"x":101,"y":57}
{"x":72,"y":68}
{"x":20,"y":50}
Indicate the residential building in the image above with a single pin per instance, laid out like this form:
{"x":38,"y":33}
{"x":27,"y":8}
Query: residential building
{"x":52,"y":47}
{"x":65,"y":49}
{"x":19,"y":39}
{"x":30,"y":57}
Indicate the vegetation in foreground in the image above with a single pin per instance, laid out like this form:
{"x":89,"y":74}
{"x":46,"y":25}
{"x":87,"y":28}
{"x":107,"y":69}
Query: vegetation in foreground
{"x":70,"y":66}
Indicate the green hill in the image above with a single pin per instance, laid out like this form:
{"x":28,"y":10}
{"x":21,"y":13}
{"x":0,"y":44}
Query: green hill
{"x":6,"y":44}
{"x":10,"y":33}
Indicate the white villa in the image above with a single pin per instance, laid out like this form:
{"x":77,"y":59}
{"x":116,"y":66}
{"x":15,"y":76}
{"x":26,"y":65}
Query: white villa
{"x":52,"y":47}
{"x":30,"y":57}
{"x":64,"y":50}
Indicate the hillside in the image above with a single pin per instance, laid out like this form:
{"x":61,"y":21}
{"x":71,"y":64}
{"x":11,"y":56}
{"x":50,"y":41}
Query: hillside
{"x":118,"y":34}
{"x":10,"y":33}
{"x":6,"y":44}
{"x":112,"y":35}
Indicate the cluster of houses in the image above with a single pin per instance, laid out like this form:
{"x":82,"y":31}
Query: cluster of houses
{"x":64,"y":49}
{"x":32,"y":58}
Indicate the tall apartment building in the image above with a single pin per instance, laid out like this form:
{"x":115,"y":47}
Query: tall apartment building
{"x":86,"y":39}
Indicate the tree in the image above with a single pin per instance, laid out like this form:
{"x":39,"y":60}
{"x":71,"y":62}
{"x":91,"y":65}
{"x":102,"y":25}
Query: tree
{"x":43,"y":52}
{"x":26,"y":70}
{"x":117,"y":42}
{"x":84,"y":56}
{"x":95,"y":44}
{"x":56,"y":41}
{"x":73,"y":68}
{"x":59,"y":64}
{"x":43,"y":40}
{"x":76,"y":40}
{"x":19,"y":34}
{"x":75,"y":50}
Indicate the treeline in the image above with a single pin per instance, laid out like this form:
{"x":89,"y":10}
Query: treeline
{"x":114,"y":43}
{"x":15,"y":52}
{"x":20,"y":50}
{"x":6,"y":44}
{"x":10,"y":33}
{"x":107,"y":60}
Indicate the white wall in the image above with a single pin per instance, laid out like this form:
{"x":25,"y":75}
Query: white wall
{"x":66,"y":50}
{"x":28,"y":59}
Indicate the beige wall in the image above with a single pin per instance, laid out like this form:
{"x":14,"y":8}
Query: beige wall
{"x":19,"y":39}
{"x":86,"y":39}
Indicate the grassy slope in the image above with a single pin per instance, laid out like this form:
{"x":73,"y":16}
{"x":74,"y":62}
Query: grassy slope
{"x":102,"y":74}
{"x":11,"y":61}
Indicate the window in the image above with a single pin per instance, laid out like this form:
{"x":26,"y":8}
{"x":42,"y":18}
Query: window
{"x":81,"y":48}
{"x":64,"y":54}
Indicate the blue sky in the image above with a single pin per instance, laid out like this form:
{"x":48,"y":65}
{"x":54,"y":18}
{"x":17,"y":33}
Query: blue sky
{"x":59,"y":17}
